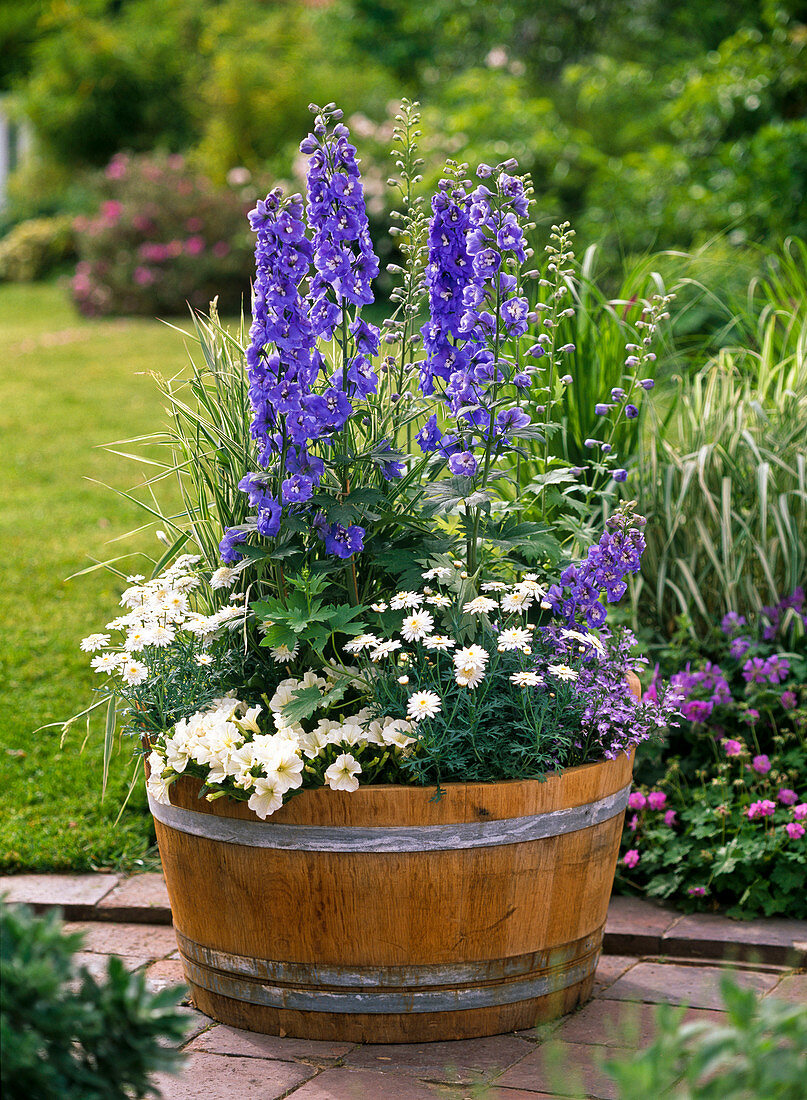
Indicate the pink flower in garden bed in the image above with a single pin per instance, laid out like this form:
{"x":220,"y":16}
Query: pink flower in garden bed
{"x":794,"y":830}
{"x":656,"y":800}
{"x":732,"y":748}
{"x":800,"y":811}
{"x":637,"y":801}
{"x":788,"y":797}
{"x":631,"y":857}
{"x":761,"y":764}
{"x":764,"y":808}
{"x":669,"y":818}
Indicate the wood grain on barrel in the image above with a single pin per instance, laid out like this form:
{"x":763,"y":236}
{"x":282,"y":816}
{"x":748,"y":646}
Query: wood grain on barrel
{"x":428,"y":908}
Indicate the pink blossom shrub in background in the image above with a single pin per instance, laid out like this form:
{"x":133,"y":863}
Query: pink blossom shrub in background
{"x":163,"y":236}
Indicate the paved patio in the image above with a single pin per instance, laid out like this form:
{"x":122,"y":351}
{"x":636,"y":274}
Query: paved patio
{"x":663,"y":957}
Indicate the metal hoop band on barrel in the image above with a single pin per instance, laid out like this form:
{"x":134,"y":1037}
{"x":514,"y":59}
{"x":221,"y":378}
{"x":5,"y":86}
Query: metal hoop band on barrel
{"x":390,"y":838}
{"x":376,"y":990}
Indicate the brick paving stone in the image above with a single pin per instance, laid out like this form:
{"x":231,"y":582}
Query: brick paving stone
{"x":165,"y":972}
{"x":519,"y":1094}
{"x":565,"y":1069}
{"x":97,"y":964}
{"x":249,"y":1044}
{"x":365,"y":1084}
{"x":710,"y":936}
{"x":141,"y":898}
{"x":215,"y":1077}
{"x":792,"y":989}
{"x":635,"y":926}
{"x":609,"y":968}
{"x":621,"y":1023}
{"x":463,"y":1061}
{"x":75,"y":895}
{"x":155,"y":941}
{"x":197,"y":1022}
{"x":696,"y":986}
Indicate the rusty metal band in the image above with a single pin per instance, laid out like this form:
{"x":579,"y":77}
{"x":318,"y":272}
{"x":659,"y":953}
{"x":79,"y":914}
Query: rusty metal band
{"x":383,"y":977}
{"x":405,"y":989}
{"x":390,"y":838}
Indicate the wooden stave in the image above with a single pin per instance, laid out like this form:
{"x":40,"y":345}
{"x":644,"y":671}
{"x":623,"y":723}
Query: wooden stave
{"x":596,"y":847}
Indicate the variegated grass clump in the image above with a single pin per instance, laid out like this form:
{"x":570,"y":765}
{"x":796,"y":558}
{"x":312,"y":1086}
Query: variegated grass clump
{"x":724,"y":487}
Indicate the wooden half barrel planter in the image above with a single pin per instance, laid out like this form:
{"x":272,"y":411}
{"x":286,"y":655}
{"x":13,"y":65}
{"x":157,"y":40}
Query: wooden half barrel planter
{"x":388,"y":916}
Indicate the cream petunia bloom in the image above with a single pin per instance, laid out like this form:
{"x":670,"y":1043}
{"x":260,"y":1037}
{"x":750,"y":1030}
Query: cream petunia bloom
{"x":341,"y":775}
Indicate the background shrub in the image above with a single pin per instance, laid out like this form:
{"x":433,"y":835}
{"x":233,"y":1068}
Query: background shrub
{"x":162,"y":236}
{"x":66,"y":1036}
{"x":36,"y":248}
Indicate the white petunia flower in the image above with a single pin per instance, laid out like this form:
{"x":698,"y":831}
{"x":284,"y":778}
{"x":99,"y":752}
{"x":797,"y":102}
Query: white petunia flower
{"x":383,"y":649}
{"x":423,"y":704}
{"x":266,"y":798}
{"x":439,"y":642}
{"x":224,"y":577}
{"x":341,"y":775}
{"x":134,"y":672}
{"x":363,"y":641}
{"x":93,"y":642}
{"x":438,"y":601}
{"x":156,"y":785}
{"x":285,"y":767}
{"x":203,"y":660}
{"x":514,"y":637}
{"x":563,"y":672}
{"x":405,"y":599}
{"x":493,"y":586}
{"x":417,"y":626}
{"x":395,"y":733}
{"x":106,"y":662}
{"x":481,"y":605}
{"x":250,"y":720}
{"x":473,"y":657}
{"x":526,"y":679}
{"x":282,"y":654}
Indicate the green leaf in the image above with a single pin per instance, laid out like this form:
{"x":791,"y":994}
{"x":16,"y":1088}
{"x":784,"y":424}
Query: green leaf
{"x":279,"y":634}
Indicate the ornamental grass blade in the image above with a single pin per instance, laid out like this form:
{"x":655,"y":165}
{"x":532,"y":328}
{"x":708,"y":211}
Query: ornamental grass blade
{"x":109,"y":734}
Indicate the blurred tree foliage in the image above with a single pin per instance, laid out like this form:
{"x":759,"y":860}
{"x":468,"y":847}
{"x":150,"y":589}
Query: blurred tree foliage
{"x":652,"y":124}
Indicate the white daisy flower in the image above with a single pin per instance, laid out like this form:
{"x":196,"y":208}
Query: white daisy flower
{"x":405,"y":599}
{"x":423,"y":704}
{"x":404,"y":680}
{"x":224,"y":577}
{"x":513,"y":637}
{"x":162,"y":636}
{"x":439,"y":642}
{"x":137,"y":578}
{"x":341,"y":775}
{"x":563,"y":672}
{"x":362,"y":642}
{"x":516,"y":601}
{"x":137,"y":639}
{"x":384,"y":649}
{"x":379,"y":607}
{"x":417,"y":626}
{"x":469,"y":676}
{"x":93,"y":642}
{"x":282,"y":654}
{"x":481,"y":605}
{"x":530,"y":585}
{"x":134,"y":672}
{"x":106,"y":662}
{"x":203,"y":660}
{"x":526,"y":679}
{"x":586,"y":639}
{"x":438,"y":601}
{"x":493,"y":586}
{"x":473,"y":657}
{"x":457,"y":563}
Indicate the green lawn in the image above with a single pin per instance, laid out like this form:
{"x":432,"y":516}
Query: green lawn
{"x":68,"y":385}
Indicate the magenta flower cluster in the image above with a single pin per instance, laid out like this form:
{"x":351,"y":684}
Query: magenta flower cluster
{"x":708,"y":681}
